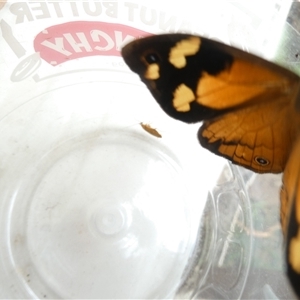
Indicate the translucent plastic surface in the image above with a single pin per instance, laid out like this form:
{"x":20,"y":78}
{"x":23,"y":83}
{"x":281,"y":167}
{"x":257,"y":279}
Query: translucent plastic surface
{"x":88,"y":191}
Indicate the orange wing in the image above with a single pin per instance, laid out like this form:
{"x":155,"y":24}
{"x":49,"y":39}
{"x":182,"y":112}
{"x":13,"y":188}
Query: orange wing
{"x":194,"y":79}
{"x":256,"y":137}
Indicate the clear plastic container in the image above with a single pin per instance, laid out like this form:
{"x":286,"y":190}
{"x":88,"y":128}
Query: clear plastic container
{"x":93,"y":206}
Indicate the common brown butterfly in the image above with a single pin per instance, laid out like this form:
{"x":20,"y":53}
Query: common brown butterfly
{"x":250,"y":110}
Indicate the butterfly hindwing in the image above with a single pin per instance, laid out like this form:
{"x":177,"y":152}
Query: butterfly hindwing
{"x":258,"y":138}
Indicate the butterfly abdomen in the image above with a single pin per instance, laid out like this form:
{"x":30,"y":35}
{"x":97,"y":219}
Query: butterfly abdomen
{"x":290,"y":215}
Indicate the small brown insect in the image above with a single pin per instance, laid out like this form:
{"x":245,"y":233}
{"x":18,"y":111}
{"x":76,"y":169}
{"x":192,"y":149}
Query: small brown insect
{"x":150,"y":130}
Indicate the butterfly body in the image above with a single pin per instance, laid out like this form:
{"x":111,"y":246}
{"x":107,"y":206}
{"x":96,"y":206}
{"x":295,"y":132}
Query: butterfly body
{"x":246,"y":103}
{"x":290,"y":215}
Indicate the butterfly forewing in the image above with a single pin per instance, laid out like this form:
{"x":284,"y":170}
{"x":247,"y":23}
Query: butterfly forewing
{"x":207,"y":75}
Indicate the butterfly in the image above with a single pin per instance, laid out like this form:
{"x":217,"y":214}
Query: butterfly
{"x":250,"y":109}
{"x":150,"y":130}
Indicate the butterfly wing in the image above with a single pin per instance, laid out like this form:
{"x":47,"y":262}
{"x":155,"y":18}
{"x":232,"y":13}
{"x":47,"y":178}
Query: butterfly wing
{"x":195,"y":79}
{"x":256,"y":137}
{"x":290,"y":216}
{"x":245,"y":100}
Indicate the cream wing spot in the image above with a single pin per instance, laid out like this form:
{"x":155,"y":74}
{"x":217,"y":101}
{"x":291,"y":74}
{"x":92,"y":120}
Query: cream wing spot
{"x":178,"y":53}
{"x":294,"y":257}
{"x":183,"y":96}
{"x":152,"y":72}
